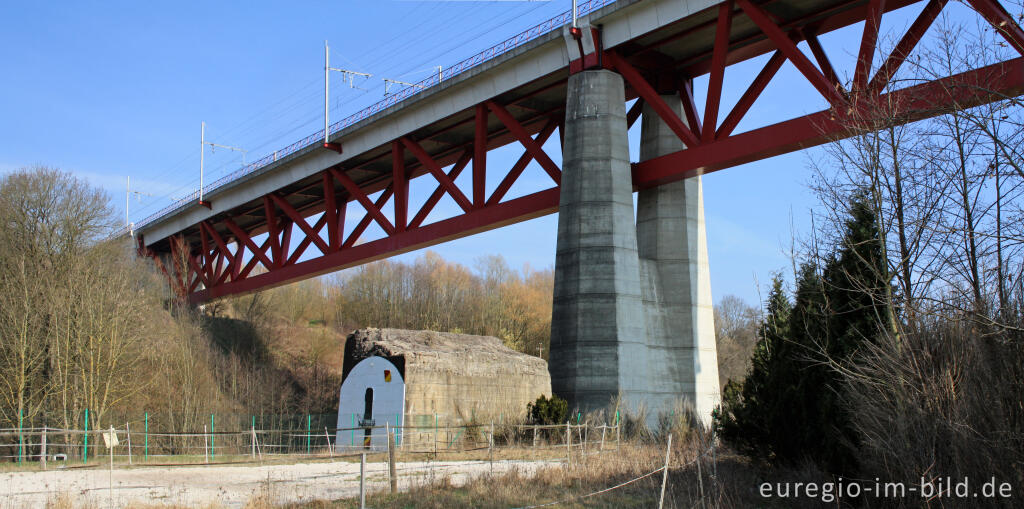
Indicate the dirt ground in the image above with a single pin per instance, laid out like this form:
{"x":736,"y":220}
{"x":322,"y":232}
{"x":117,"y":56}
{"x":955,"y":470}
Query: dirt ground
{"x":231,"y":486}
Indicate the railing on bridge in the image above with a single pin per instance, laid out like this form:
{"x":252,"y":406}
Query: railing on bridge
{"x":390,"y":100}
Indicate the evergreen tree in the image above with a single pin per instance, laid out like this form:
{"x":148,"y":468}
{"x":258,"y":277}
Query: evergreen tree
{"x":745,"y":417}
{"x":791,"y":407}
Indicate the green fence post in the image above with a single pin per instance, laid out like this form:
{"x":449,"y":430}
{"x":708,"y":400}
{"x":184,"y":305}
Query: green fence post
{"x":85,"y":444}
{"x":353,"y":432}
{"x":213,"y":456}
{"x":21,"y":436}
{"x":308,"y":422}
{"x":147,"y":435}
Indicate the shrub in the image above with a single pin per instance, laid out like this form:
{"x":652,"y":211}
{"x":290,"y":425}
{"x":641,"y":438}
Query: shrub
{"x":548,"y":411}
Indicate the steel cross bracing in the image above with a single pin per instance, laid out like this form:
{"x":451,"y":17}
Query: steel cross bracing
{"x":221,"y":256}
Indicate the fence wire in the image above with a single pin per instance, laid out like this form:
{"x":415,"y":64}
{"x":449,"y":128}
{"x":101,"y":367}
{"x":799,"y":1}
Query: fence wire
{"x":70,"y":445}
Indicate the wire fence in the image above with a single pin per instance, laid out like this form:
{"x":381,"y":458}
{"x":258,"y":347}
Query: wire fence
{"x":390,"y":100}
{"x":212,"y":445}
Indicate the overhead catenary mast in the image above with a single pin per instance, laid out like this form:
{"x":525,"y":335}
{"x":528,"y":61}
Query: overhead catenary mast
{"x":202,"y":151}
{"x":127,"y":200}
{"x":351,"y":75}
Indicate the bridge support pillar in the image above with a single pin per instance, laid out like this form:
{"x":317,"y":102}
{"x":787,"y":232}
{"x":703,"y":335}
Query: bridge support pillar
{"x":598,"y":338}
{"x":679,"y":315}
{"x":632,"y":313}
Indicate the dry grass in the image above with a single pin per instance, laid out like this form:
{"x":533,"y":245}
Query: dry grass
{"x":724,"y":481}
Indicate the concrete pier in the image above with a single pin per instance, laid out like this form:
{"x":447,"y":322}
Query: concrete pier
{"x":632,"y":299}
{"x":598,"y":339}
{"x":679,"y":315}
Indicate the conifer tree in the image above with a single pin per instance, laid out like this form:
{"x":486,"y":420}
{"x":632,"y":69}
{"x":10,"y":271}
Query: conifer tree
{"x":791,"y":405}
{"x":744,"y":417}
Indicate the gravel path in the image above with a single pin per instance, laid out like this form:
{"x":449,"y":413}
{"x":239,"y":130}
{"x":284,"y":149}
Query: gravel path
{"x":231,"y":486}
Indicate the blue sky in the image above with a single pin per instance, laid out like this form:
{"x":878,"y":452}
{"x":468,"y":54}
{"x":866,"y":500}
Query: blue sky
{"x":120,"y":88}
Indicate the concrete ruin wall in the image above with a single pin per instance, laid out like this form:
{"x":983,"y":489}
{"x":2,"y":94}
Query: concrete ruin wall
{"x":460,"y":378}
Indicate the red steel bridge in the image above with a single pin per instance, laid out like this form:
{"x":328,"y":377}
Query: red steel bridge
{"x":282,"y":219}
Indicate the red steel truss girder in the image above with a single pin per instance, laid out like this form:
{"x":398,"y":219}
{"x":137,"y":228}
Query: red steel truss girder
{"x":906,"y":45}
{"x":474,"y":221}
{"x":439,"y":191}
{"x":651,"y":97}
{"x":753,"y":92}
{"x":718,"y":55}
{"x":722,"y":151}
{"x":823,"y":62}
{"x":364,"y":223}
{"x":868,"y":40}
{"x":278,"y":234}
{"x":824,"y":20}
{"x":438,"y":173}
{"x":926,"y":100}
{"x":532,"y":147}
{"x":744,"y":48}
{"x":996,"y":15}
{"x":786,"y":45}
{"x":520,"y":165}
{"x":823,"y":80}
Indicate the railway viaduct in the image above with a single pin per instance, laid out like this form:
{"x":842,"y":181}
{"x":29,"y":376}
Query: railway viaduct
{"x":632,"y":298}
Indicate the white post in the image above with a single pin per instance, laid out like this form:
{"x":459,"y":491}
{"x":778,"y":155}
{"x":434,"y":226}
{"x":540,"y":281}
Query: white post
{"x":202,"y":149}
{"x":110,"y":477}
{"x":254,"y":441}
{"x":128,"y":432}
{"x":206,"y":450}
{"x":603,"y":429}
{"x":574,"y":13}
{"x":362,"y":481}
{"x":127,"y":194}
{"x":439,"y":71}
{"x":568,"y":444}
{"x":42,"y":451}
{"x":664,"y":476}
{"x":327,"y":81}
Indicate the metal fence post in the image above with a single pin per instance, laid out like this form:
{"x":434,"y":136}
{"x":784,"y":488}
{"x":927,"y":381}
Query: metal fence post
{"x":213,"y":454}
{"x":85,"y":443}
{"x":147,"y":435}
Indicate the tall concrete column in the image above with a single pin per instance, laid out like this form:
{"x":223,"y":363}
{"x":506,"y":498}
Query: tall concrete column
{"x":598,"y":338}
{"x":673,"y":253}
